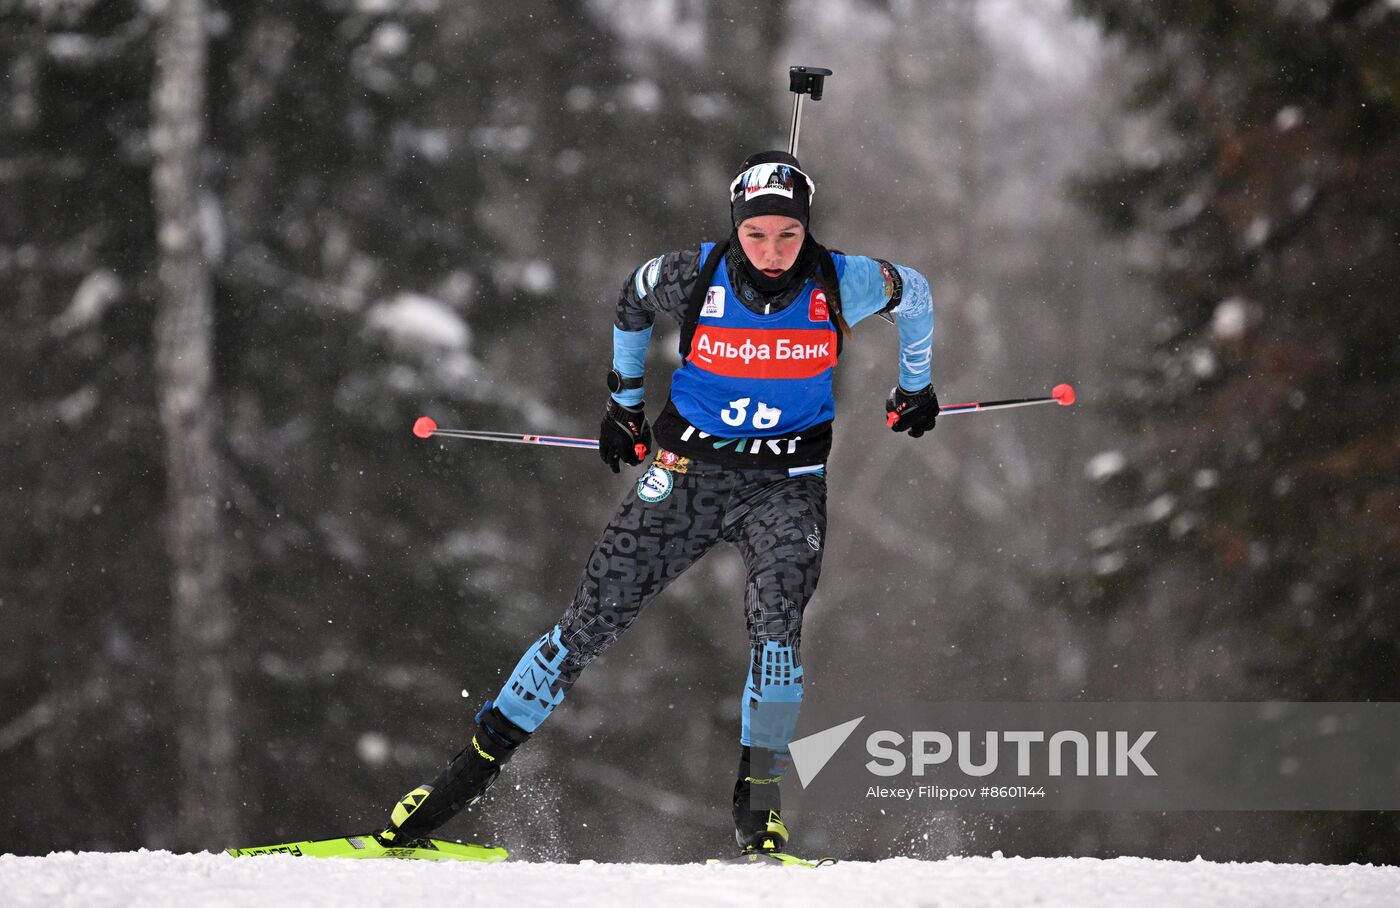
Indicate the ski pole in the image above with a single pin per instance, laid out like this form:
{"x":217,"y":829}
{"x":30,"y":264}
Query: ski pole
{"x":803,"y":80}
{"x":1061,"y":394}
{"x":426,"y":427}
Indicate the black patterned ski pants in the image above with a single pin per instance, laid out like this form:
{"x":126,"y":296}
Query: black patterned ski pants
{"x":678,"y":510}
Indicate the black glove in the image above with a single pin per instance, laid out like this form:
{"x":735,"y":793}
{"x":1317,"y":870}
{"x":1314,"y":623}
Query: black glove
{"x":624,"y":435}
{"x":912,"y":411}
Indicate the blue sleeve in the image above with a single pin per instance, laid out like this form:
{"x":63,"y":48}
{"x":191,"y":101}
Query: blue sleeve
{"x":629,"y":359}
{"x":865,"y":292}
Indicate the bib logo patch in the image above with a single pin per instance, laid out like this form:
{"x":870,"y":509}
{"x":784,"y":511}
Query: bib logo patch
{"x":714,"y":303}
{"x":655,"y":485}
{"x":816,"y":309}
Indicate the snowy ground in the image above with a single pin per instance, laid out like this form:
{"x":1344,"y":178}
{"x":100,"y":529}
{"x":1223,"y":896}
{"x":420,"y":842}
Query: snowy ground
{"x":158,"y":879}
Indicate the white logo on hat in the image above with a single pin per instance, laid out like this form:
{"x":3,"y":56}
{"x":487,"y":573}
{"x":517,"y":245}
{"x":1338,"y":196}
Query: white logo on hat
{"x":769,"y":179}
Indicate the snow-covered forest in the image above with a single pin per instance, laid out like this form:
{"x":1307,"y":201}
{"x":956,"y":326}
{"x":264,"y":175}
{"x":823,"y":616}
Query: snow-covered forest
{"x":244,"y":244}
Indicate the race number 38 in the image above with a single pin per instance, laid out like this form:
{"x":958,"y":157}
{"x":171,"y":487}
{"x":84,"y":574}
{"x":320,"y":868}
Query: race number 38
{"x":737,"y":413}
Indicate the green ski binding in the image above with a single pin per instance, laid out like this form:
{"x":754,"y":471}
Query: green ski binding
{"x":773,"y":858}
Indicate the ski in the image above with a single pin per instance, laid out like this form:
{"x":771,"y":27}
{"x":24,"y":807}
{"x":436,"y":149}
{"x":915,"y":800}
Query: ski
{"x":367,"y":846}
{"x":776,"y":858}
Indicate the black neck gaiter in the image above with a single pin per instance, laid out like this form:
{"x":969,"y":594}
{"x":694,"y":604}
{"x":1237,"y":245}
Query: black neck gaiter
{"x":789,"y":280}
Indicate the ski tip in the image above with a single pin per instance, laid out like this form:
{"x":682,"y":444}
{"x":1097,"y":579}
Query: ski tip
{"x":424,"y":426}
{"x":1063,"y":394}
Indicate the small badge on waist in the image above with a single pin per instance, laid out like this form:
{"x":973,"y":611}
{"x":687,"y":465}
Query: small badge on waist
{"x":670,"y":460}
{"x":655,"y":485}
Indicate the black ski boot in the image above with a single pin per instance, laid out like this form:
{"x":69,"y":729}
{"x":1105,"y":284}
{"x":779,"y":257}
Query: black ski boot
{"x":470,"y":773}
{"x":758,"y":825}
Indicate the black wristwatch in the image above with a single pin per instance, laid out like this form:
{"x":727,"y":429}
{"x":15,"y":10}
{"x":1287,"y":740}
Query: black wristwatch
{"x":617,"y":382}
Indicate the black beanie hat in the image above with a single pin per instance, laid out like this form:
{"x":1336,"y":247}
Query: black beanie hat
{"x":783,"y":189}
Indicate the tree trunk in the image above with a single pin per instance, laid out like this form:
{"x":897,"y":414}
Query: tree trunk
{"x":201,"y":627}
